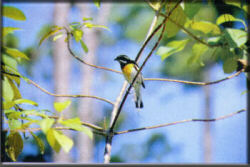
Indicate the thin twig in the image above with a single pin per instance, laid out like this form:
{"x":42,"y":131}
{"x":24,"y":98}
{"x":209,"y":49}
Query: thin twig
{"x":56,"y":128}
{"x":189,"y":33}
{"x":92,"y":126}
{"x":196,"y":83}
{"x":81,"y":60}
{"x":73,"y":96}
{"x":179,"y":122}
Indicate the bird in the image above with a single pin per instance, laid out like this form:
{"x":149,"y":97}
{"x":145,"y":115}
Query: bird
{"x":129,"y":70}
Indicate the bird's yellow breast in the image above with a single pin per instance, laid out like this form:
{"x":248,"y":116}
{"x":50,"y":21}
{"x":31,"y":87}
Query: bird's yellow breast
{"x":127,"y":70}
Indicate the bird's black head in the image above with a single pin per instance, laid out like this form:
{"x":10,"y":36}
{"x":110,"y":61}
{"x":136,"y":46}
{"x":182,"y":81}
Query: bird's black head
{"x":123,"y":59}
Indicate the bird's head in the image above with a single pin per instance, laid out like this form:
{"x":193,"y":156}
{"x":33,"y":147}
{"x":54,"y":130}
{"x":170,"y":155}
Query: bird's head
{"x":123,"y":59}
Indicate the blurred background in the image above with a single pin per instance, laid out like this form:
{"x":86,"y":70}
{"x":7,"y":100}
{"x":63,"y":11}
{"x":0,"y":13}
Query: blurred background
{"x":53,"y":68}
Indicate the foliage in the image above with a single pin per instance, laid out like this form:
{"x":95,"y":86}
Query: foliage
{"x":19,"y":119}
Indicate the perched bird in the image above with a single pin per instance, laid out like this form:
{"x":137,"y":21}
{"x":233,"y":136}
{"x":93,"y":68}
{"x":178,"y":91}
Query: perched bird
{"x":129,"y":70}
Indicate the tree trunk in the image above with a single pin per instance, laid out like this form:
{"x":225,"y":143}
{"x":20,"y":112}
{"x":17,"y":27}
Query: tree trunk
{"x":86,"y":106}
{"x":62,"y":62}
{"x":207,"y":137}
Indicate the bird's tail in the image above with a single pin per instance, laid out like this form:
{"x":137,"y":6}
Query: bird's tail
{"x":138,"y":99}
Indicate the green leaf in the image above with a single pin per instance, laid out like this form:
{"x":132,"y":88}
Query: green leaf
{"x":36,"y":113}
{"x":84,"y":46}
{"x":87,"y":18}
{"x":21,"y":101}
{"x":17,"y":94}
{"x":65,"y":142}
{"x":229,"y":18}
{"x":78,"y":34}
{"x":60,"y":106}
{"x":14,"y":145}
{"x":9,"y":61}
{"x":52,"y":140}
{"x":192,"y":7}
{"x":155,"y":4}
{"x":8,"y":30}
{"x":171,"y":48}
{"x":230,"y":65}
{"x":46,"y":124}
{"x":237,"y":4}
{"x":90,"y":25}
{"x":15,"y":53}
{"x":8,"y":104}
{"x":39,"y":143}
{"x":97,"y":3}
{"x":52,"y":31}
{"x":205,"y":27}
{"x":235,"y":37}
{"x":198,"y":50}
{"x":8,"y":92}
{"x":57,"y":36}
{"x":14,"y":124}
{"x":75,"y":123}
{"x":177,"y":16}
{"x":13,"y":13}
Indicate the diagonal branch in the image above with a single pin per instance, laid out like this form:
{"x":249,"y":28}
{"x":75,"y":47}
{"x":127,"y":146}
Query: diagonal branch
{"x":180,"y":122}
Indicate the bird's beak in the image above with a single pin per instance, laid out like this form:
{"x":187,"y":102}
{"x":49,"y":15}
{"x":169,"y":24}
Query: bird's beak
{"x":115,"y":59}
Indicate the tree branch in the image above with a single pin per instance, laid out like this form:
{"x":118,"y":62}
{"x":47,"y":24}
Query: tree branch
{"x":196,"y":83}
{"x":73,"y":96}
{"x":110,"y":133}
{"x":180,"y":122}
{"x":81,"y":60}
{"x":189,"y":33}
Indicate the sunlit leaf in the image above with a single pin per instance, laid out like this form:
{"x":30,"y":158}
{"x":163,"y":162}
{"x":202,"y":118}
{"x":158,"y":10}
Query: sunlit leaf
{"x":75,"y":123}
{"x":8,"y":104}
{"x":177,"y":16}
{"x":155,"y":4}
{"x":60,"y":106}
{"x":39,"y":143}
{"x":15,"y":53}
{"x":229,"y":18}
{"x":9,"y":61}
{"x":17,"y":94}
{"x":84,"y":46}
{"x":78,"y":34}
{"x":171,"y":48}
{"x":8,"y":92}
{"x":97,"y":3}
{"x":237,"y":4}
{"x":56,"y":37}
{"x":235,"y":37}
{"x":14,"y":145}
{"x":52,"y":140}
{"x":87,"y":18}
{"x":90,"y":25}
{"x":198,"y":50}
{"x":13,"y":13}
{"x":8,"y":30}
{"x":46,"y":124}
{"x":14,"y":123}
{"x":36,"y":113}
{"x":205,"y":27}
{"x":21,"y":101}
{"x":65,"y":142}
{"x":54,"y":30}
